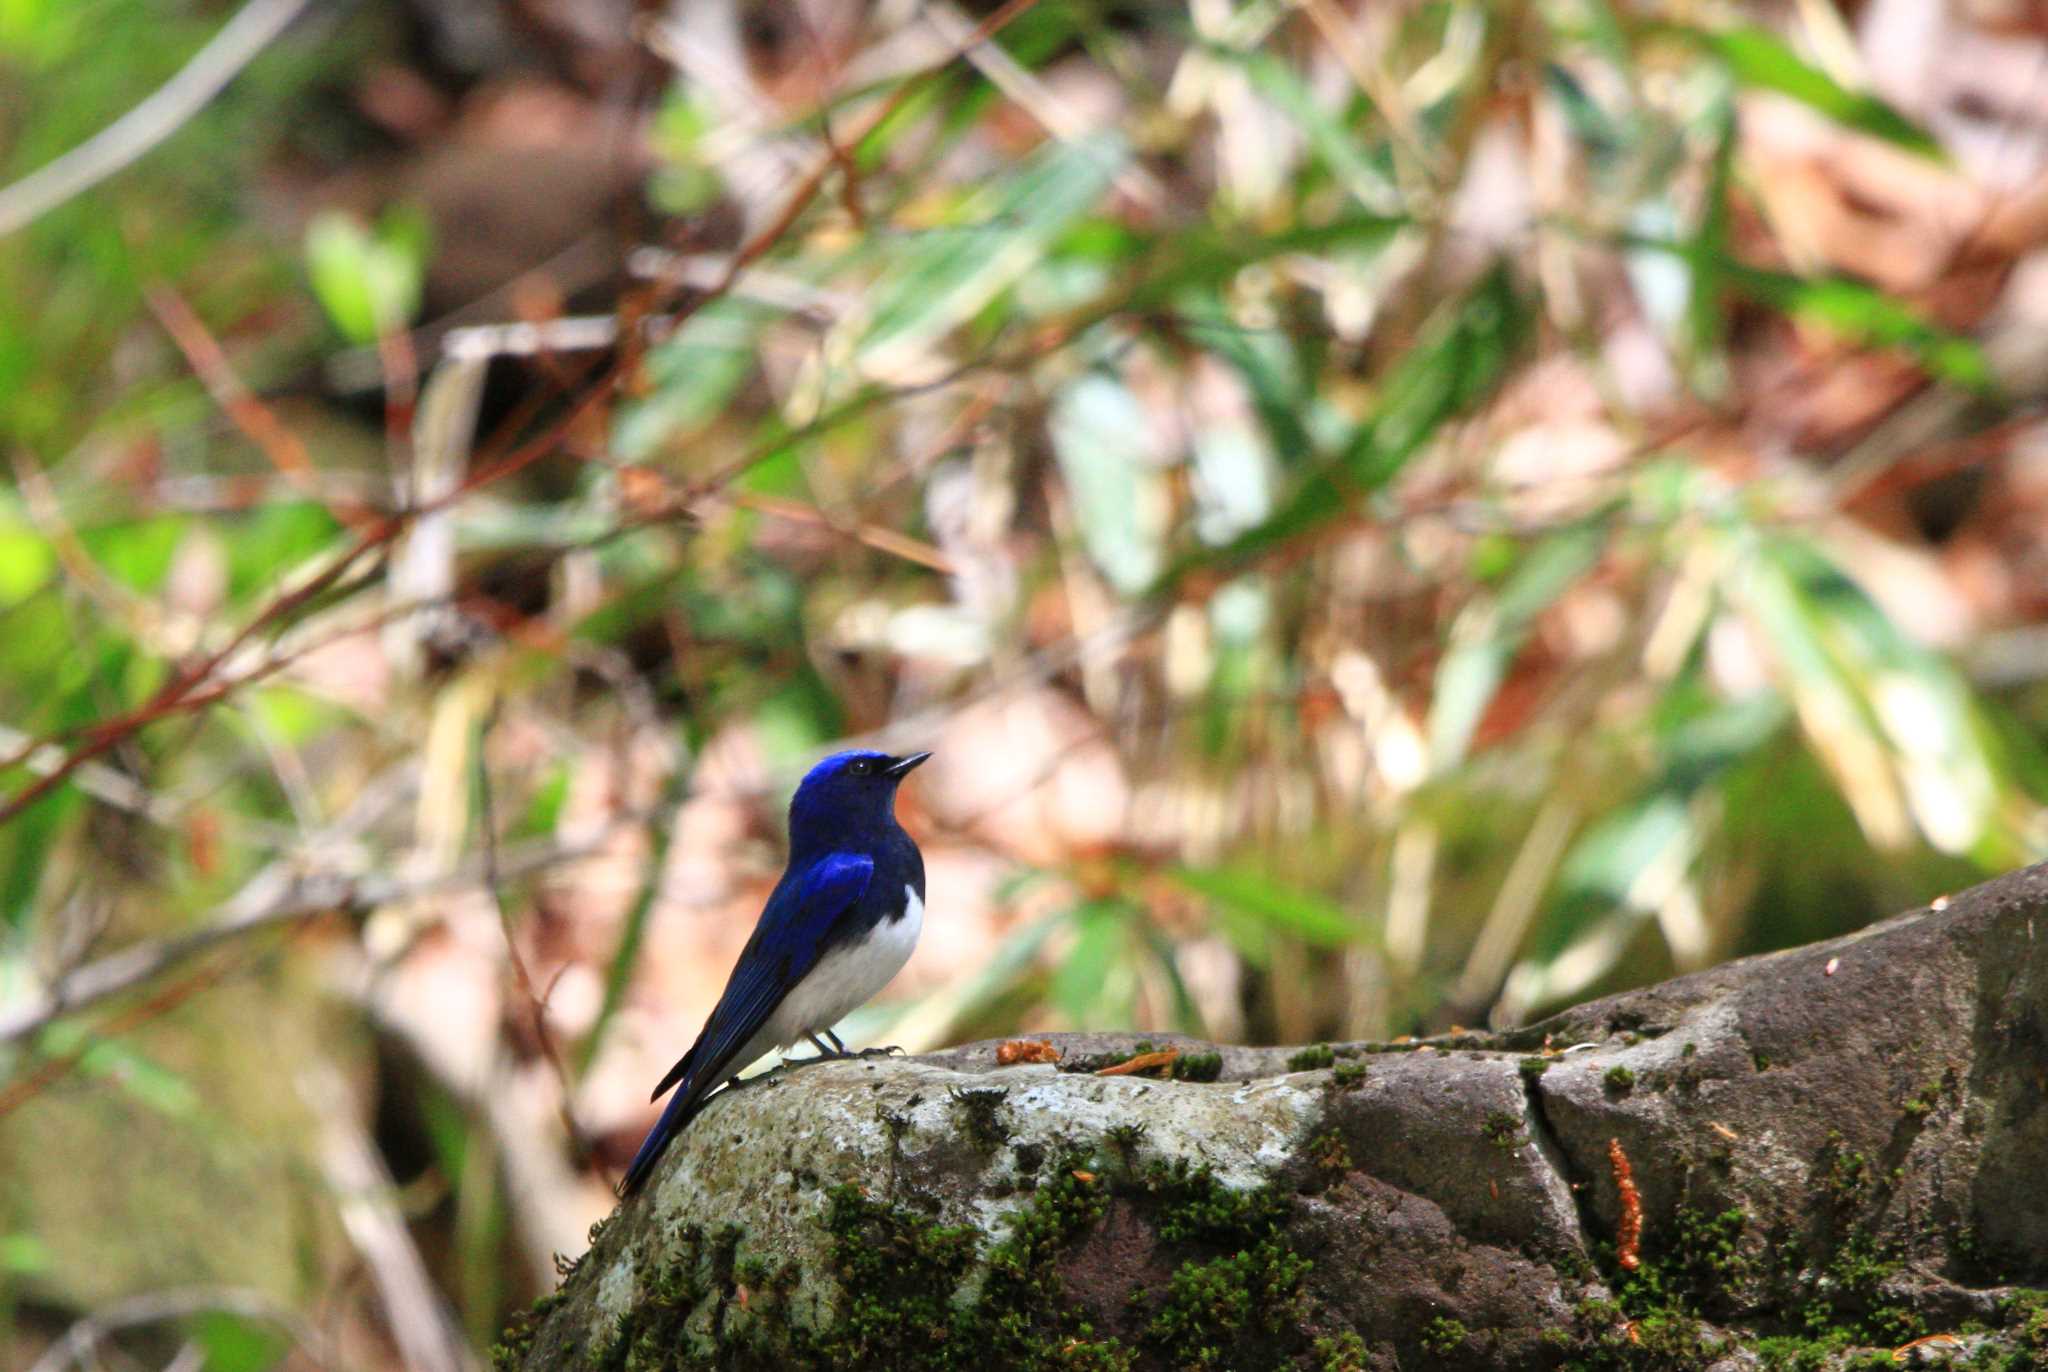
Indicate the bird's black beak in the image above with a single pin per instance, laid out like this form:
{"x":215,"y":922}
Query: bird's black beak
{"x":904,"y":766}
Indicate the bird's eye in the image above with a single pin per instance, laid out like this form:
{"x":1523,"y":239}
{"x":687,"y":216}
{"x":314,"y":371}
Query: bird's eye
{"x":860,"y":767}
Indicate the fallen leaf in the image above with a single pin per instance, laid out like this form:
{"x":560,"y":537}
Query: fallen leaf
{"x":1026,"y":1050}
{"x":1144,"y":1062}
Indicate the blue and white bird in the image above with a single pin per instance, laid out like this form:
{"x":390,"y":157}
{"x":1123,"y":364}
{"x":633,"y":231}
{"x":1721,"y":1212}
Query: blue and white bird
{"x":841,"y":922}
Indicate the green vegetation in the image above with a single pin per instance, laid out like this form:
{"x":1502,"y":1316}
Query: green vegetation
{"x":1389,"y":532}
{"x":1311,"y":1059}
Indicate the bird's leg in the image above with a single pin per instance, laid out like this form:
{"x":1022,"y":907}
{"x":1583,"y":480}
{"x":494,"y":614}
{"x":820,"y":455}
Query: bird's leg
{"x":832,"y":1054}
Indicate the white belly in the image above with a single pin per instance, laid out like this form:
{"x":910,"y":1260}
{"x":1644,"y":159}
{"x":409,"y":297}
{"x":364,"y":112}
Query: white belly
{"x":845,"y":978}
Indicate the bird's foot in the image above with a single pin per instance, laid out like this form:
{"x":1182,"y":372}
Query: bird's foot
{"x":884,"y":1052}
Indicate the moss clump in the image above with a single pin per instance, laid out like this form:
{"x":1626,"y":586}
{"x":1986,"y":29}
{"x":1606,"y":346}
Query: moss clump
{"x":1197,"y":1067}
{"x":517,"y":1340}
{"x":1312,"y":1058}
{"x":919,"y":1295}
{"x":1213,"y":1307}
{"x":1502,"y":1130}
{"x":1655,"y":1323}
{"x":1329,"y":1153}
{"x":1125,"y":1140}
{"x":1343,"y":1352}
{"x":1224,"y":1311}
{"x":1618,"y":1080}
{"x":1348,"y":1076}
{"x":1532,"y":1067}
{"x":900,"y":1271}
{"x":1443,"y":1336}
{"x":980,"y":1113}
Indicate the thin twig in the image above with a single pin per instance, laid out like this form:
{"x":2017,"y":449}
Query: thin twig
{"x":364,"y":1192}
{"x":181,"y":691}
{"x":536,"y":1002}
{"x":279,"y":894}
{"x":257,"y":421}
{"x":81,"y":1343}
{"x":163,"y":113}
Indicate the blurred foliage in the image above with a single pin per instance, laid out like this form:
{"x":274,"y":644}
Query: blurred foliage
{"x":1257,"y":392}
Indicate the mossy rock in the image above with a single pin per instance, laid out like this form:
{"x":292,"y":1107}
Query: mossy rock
{"x":1437,"y":1209}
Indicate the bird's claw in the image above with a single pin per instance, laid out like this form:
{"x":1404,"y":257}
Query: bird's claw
{"x":882,"y":1052}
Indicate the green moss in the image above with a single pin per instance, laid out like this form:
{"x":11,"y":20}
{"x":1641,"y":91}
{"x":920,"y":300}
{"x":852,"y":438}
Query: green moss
{"x":1443,"y":1336}
{"x":1348,"y":1075}
{"x":1502,"y":1130}
{"x":1619,"y":1080}
{"x":980,"y":1113}
{"x":1922,"y":1102}
{"x":1193,"y":1207}
{"x":1533,"y":1067}
{"x":1197,"y":1067}
{"x":920,"y":1295}
{"x":1214,"y":1306}
{"x":1328,"y":1152}
{"x":1126,"y":1139}
{"x":517,"y":1340}
{"x":1312,"y":1058}
{"x":1343,"y":1352}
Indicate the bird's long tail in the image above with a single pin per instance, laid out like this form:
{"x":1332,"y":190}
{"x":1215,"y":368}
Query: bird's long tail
{"x":681,"y":1107}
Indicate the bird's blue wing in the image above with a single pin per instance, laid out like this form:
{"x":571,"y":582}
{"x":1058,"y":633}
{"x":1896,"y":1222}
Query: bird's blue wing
{"x":795,"y":929}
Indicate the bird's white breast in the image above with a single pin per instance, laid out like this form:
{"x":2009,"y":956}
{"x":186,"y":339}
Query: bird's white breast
{"x":849,"y":975}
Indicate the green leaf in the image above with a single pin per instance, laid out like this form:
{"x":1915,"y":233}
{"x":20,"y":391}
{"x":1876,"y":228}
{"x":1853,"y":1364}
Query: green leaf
{"x":137,"y":552}
{"x":233,"y":1343}
{"x":1758,"y":59}
{"x":1102,"y":927}
{"x":26,"y":560}
{"x":28,"y":842}
{"x":1860,"y":312}
{"x":1613,"y":853}
{"x":691,"y":376}
{"x":23,"y":1254}
{"x":1490,"y":631}
{"x":1457,"y":366}
{"x":369,"y":282}
{"x":944,"y":275}
{"x":1277,"y":907}
{"x":1867,"y":315}
{"x":1098,"y":430}
{"x":270,"y":542}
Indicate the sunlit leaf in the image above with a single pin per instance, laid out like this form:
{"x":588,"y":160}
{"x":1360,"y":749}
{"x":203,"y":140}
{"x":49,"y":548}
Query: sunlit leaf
{"x":1102,"y":931}
{"x":1861,"y":313}
{"x":1486,"y":636}
{"x":1760,"y":60}
{"x":690,"y":376}
{"x":1098,"y":433}
{"x":1456,"y":366}
{"x":1281,"y":908}
{"x":233,"y":1343}
{"x":943,"y":275}
{"x":26,"y":560}
{"x":368,"y":281}
{"x":137,"y":552}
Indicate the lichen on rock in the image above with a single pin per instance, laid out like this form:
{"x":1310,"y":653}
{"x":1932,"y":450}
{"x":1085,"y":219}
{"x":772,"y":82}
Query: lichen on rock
{"x":1833,"y":1153}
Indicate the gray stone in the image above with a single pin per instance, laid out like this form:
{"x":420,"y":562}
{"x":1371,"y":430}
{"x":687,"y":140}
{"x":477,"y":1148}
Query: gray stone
{"x":1842,"y":1146}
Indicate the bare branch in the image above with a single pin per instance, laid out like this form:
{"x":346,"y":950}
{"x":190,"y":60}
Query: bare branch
{"x":252,"y":30}
{"x":281,"y":893}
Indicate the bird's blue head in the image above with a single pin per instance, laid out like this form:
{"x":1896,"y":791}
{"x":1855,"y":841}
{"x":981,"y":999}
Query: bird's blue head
{"x":847,"y":798}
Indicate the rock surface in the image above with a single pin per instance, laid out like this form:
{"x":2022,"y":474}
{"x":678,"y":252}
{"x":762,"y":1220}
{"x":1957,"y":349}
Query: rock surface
{"x":1834,"y":1150}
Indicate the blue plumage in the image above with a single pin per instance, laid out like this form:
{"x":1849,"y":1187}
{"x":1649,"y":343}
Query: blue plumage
{"x":837,"y":927}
